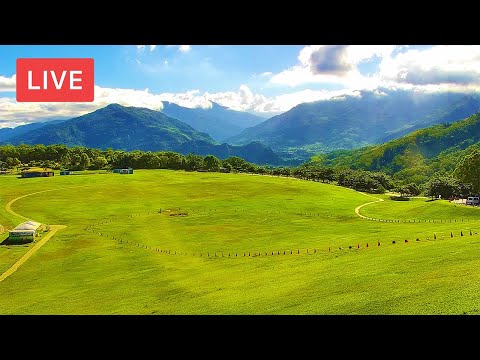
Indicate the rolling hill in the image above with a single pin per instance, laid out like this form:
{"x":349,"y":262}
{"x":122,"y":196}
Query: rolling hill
{"x":354,"y":121}
{"x":418,"y":155}
{"x":218,"y":121}
{"x":131,"y":128}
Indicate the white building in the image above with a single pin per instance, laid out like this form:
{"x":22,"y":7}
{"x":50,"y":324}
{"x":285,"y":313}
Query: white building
{"x":25,"y":232}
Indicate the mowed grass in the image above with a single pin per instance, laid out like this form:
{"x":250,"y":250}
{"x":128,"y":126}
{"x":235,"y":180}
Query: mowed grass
{"x":420,"y":209}
{"x":246,"y":244}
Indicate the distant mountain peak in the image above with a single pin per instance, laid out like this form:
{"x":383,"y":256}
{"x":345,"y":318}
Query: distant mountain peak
{"x":118,"y":107}
{"x":175,"y":105}
{"x":218,"y":106}
{"x":219,"y":121}
{"x":113,"y":106}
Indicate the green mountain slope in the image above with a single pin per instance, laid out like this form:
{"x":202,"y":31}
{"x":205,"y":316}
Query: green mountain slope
{"x":8,"y":133}
{"x":131,"y":128}
{"x":354,"y":121}
{"x":417,"y":155}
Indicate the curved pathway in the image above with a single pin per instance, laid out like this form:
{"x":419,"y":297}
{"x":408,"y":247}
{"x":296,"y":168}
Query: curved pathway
{"x":8,"y":207}
{"x":33,"y":250}
{"x":357,"y":209}
{"x":38,"y":245}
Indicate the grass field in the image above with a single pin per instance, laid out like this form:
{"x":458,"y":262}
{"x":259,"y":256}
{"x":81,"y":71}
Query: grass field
{"x":166,"y":242}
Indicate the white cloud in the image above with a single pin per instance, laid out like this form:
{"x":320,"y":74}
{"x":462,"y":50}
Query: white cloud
{"x":435,"y":68}
{"x":190,"y":99}
{"x":184,"y":48}
{"x":13,"y":112}
{"x":245,"y":100}
{"x":332,"y":64}
{"x":7,"y":84}
{"x":242,"y":100}
{"x":358,"y":53}
{"x":457,"y":66}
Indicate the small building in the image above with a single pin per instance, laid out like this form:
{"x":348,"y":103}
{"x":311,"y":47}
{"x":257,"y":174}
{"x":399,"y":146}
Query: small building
{"x":65,"y":172}
{"x":123,"y":171}
{"x":31,"y":174}
{"x":24,"y":232}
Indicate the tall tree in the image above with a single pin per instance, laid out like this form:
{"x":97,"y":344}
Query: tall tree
{"x":446,"y":186}
{"x":468,"y":170}
{"x":84,"y":161}
{"x":211,"y":163}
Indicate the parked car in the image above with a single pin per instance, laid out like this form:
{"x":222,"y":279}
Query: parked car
{"x":472,"y":200}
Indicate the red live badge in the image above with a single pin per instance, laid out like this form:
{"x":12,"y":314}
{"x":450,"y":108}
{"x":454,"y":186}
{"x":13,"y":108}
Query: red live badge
{"x":55,"y":80}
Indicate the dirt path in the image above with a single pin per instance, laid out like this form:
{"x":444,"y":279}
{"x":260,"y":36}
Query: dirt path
{"x":8,"y":207}
{"x":33,"y":250}
{"x":357,"y":209}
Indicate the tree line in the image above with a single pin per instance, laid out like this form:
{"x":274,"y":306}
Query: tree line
{"x":463,"y":181}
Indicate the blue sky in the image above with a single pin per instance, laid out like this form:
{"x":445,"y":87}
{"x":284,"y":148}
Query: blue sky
{"x":262,"y":79}
{"x":167,"y":68}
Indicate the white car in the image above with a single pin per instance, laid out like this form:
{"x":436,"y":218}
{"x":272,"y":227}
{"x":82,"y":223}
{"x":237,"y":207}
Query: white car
{"x":472,"y":200}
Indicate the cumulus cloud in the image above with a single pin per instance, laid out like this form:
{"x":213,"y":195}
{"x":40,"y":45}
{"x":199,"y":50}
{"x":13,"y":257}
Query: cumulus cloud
{"x":332,"y":64}
{"x":457,"y":66}
{"x":434,"y":68}
{"x":242,"y":100}
{"x":245,"y":100}
{"x":436,"y":75}
{"x":190,"y":99}
{"x":7,"y":84}
{"x":331,"y":59}
{"x":13,"y":112}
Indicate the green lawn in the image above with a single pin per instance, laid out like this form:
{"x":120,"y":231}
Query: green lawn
{"x":421,"y":209}
{"x":245,"y":244}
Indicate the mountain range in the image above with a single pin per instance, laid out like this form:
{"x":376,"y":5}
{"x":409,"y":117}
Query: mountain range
{"x":218,"y":121}
{"x":349,"y":122}
{"x":342,"y":123}
{"x":133,"y":128}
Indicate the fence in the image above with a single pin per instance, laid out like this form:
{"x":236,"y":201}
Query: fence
{"x":258,"y":253}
